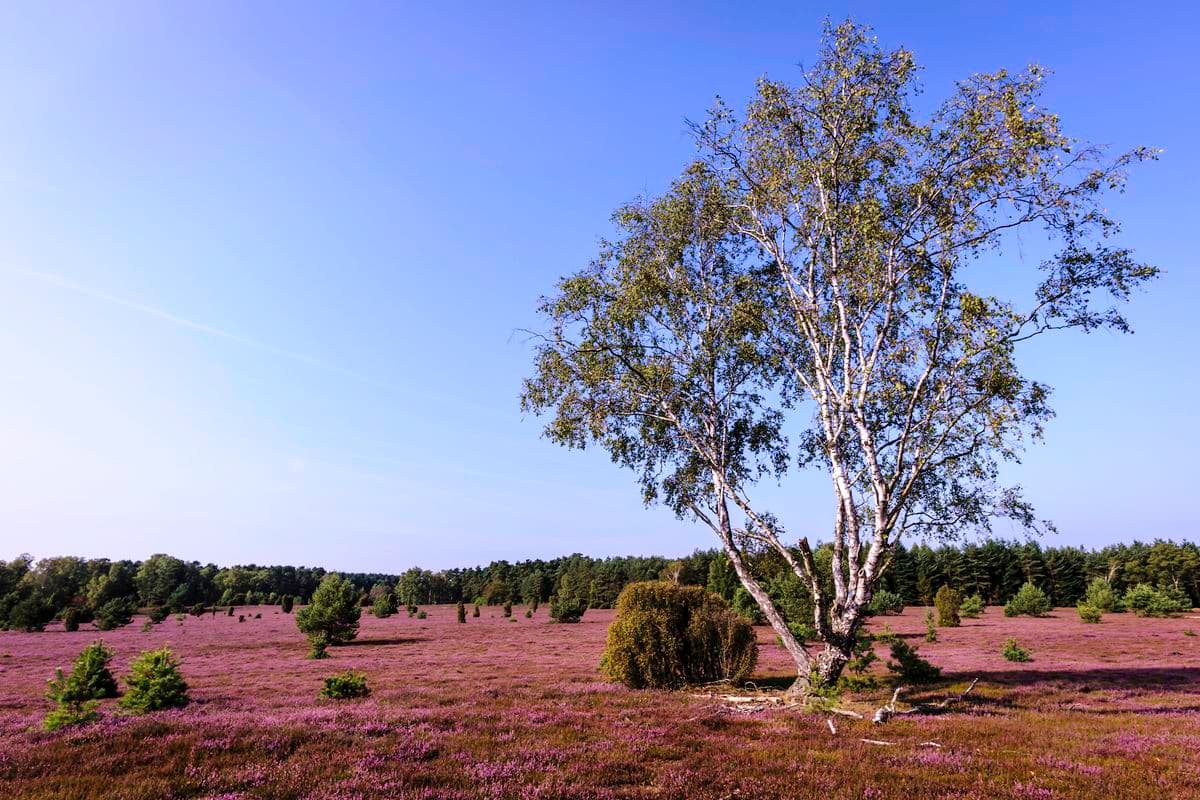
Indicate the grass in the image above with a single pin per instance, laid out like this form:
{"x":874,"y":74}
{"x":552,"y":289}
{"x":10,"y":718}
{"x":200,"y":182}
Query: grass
{"x":499,"y":709}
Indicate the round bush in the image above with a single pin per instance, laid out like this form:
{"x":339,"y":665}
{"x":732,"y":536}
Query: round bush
{"x":666,"y":636}
{"x":948,"y":602}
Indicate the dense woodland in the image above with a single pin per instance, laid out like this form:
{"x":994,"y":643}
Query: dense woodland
{"x":33,"y":594}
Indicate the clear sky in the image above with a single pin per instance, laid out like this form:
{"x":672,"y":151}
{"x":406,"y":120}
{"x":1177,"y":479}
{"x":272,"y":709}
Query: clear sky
{"x":262,"y":264}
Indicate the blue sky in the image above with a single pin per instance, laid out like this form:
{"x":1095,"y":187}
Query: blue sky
{"x":262,"y":265}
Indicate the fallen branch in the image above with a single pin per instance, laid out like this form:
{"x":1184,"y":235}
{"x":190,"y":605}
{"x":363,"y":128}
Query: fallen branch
{"x":877,"y":741}
{"x":886,"y":712}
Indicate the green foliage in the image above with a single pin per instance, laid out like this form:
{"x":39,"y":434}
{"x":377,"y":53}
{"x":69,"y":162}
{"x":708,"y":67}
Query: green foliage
{"x":345,"y":686}
{"x":383,"y":606}
{"x":1087,"y":613}
{"x":1147,"y":601}
{"x":155,"y":683}
{"x":90,"y":677}
{"x":1100,"y":596}
{"x":908,"y":665}
{"x":746,"y":606}
{"x":67,"y":714}
{"x":567,"y":609}
{"x":285,"y":603}
{"x":948,"y":602}
{"x":475,"y":612}
{"x":529,"y":613}
{"x":318,"y":646}
{"x":30,"y":614}
{"x":857,"y":677}
{"x":158,"y":614}
{"x":1014,"y":652}
{"x":666,"y":635}
{"x":71,"y":619}
{"x":972,"y":607}
{"x":1029,"y":601}
{"x":461,"y":611}
{"x":421,"y":614}
{"x":885,"y":602}
{"x":115,"y":614}
{"x":332,"y":615}
{"x":508,"y":608}
{"x":931,"y":634}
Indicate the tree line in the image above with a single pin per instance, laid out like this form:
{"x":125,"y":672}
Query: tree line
{"x":33,"y":594}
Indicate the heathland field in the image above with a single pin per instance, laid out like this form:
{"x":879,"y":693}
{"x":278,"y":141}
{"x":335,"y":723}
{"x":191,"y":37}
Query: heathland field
{"x":500,"y":708}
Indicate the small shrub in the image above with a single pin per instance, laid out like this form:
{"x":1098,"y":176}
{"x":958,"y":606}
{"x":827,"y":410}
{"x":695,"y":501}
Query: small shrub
{"x":421,"y":615}
{"x":114,"y":614}
{"x":508,"y":608}
{"x":908,"y":665}
{"x":666,"y":635}
{"x":885,"y":602}
{"x":384,"y":606}
{"x":857,"y":677}
{"x":147,"y":626}
{"x":1029,"y":601}
{"x":71,"y":619}
{"x":529,"y":613}
{"x":1188,"y":632}
{"x":285,"y":604}
{"x":318,"y":644}
{"x":567,"y":609}
{"x":931,"y":634}
{"x":475,"y":613}
{"x":533,"y":605}
{"x":158,"y":614}
{"x":154,"y":683}
{"x":66,"y":714}
{"x":948,"y":602}
{"x":90,"y":677}
{"x":972,"y":607}
{"x":1014,"y":652}
{"x":347,"y":685}
{"x":461,"y":611}
{"x":1087,"y":613}
{"x":1147,"y":601}
{"x":1100,"y":596}
{"x":241,"y":617}
{"x":197,"y":610}
{"x":229,"y":613}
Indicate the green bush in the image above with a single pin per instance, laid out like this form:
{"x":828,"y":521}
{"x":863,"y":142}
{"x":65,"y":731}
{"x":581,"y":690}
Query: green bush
{"x":567,"y":609}
{"x":90,"y":677}
{"x":908,"y":665}
{"x":158,"y":614}
{"x":885,"y":602}
{"x":384,"y":606}
{"x":154,"y":683}
{"x":508,"y":608}
{"x":229,"y":613}
{"x":1087,"y":613}
{"x":461,"y":611}
{"x":475,"y":613}
{"x":67,"y":714}
{"x":30,"y":614}
{"x":333,"y":614}
{"x":857,"y":677}
{"x":665,"y":636}
{"x":972,"y":607}
{"x":1100,"y":595}
{"x":931,"y":634}
{"x":421,"y":615}
{"x":1014,"y":652}
{"x":114,"y":614}
{"x":1147,"y":601}
{"x":529,"y":613}
{"x":745,"y":605}
{"x":347,"y":685}
{"x":197,"y":610}
{"x":1030,"y":601}
{"x":285,"y":604}
{"x":71,"y":619}
{"x":948,"y":601}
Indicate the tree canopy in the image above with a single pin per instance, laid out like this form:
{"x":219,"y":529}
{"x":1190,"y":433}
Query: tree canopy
{"x":812,"y":291}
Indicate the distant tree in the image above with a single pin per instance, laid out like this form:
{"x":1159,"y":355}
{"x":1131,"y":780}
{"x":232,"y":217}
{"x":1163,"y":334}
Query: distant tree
{"x":812,"y":273}
{"x":331,"y":618}
{"x":285,"y":604}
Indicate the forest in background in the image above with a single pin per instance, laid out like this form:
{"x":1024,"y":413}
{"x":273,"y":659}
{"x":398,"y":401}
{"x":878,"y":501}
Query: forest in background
{"x":35,"y":593}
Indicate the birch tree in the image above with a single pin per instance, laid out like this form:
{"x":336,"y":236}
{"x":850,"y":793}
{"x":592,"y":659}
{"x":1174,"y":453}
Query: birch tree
{"x":808,"y":295}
